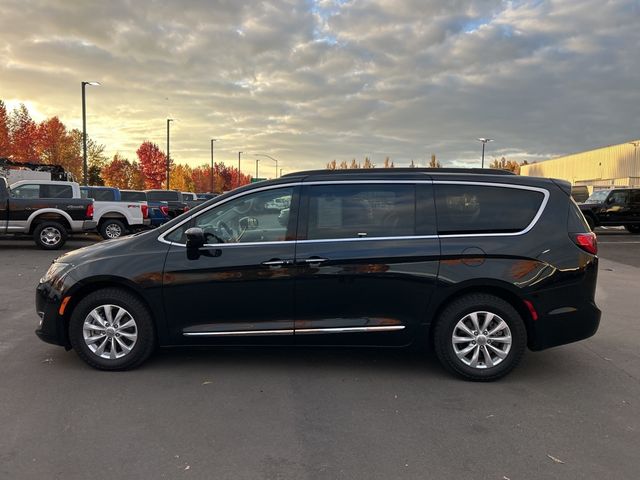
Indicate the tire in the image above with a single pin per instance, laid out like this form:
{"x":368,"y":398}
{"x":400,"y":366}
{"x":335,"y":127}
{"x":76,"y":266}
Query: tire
{"x":50,"y":235}
{"x":112,"y":228}
{"x":590,"y":221}
{"x":460,"y":311}
{"x":101,"y":343}
{"x":635,"y":229}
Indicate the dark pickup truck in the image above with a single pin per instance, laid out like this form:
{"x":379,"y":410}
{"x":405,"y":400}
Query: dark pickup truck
{"x":47,"y":220}
{"x":177,"y":206}
{"x":613,"y":207}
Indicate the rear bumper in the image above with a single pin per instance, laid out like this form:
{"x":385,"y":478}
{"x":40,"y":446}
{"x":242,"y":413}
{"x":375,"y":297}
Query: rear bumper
{"x":563,"y":326}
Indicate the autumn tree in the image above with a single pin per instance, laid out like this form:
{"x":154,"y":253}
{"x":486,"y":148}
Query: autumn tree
{"x":24,"y":135}
{"x":5,"y":138}
{"x":368,"y":163}
{"x":343,"y":165}
{"x":153,"y":163}
{"x":433,"y":163}
{"x":388,"y":163}
{"x":181,"y":178}
{"x":121,"y":173}
{"x":504,"y":164}
{"x":332,"y":165}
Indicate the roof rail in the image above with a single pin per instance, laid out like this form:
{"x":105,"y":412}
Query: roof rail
{"x":475,"y":171}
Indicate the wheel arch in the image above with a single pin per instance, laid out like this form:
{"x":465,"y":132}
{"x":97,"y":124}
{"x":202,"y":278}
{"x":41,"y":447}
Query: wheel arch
{"x":113,"y":216}
{"x":88,"y":286}
{"x":48,"y":215}
{"x":502,"y":290}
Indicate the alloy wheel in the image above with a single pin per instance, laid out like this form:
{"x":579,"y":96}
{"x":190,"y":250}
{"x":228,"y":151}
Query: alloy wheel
{"x":50,"y":236}
{"x":110,"y":332}
{"x":481,"y":340}
{"x":113,"y":231}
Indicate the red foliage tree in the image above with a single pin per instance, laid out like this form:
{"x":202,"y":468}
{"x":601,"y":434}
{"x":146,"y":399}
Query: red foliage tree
{"x":24,"y":135}
{"x":5,"y":139}
{"x":153,"y":163}
{"x":53,"y":141}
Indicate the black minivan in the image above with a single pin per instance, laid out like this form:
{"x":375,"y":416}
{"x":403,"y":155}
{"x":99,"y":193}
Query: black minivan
{"x":477,"y":264}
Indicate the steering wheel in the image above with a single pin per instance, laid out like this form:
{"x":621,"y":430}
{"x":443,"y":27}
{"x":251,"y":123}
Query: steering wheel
{"x":227,"y":229}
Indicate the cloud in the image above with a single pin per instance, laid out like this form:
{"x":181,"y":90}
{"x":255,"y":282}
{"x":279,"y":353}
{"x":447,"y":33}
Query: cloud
{"x":309,"y":81}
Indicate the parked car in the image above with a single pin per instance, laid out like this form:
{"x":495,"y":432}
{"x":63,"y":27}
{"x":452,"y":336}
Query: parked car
{"x":191,"y":199}
{"x":158,"y":211}
{"x":613,"y":207}
{"x":477,"y":265}
{"x":114,"y":217}
{"x":177,"y":206}
{"x":206,"y":196}
{"x":45,"y":209}
{"x":579,"y":193}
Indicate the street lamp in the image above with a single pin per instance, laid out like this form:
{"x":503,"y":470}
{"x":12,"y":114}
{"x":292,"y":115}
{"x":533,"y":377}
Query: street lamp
{"x":239,"y":154}
{"x":270,"y":157}
{"x":257,"y":162}
{"x":484,"y":141}
{"x":85,"y":170}
{"x":212,"y":140}
{"x":169,"y":120}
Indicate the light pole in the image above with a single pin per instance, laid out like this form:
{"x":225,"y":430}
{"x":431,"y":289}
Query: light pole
{"x":239,"y":155}
{"x":85,"y":169}
{"x":212,"y":140}
{"x":484,"y":142}
{"x":169,"y":120}
{"x":257,"y":162}
{"x":271,"y":158}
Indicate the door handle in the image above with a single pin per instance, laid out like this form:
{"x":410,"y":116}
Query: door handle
{"x":276,"y":263}
{"x":313,"y":260}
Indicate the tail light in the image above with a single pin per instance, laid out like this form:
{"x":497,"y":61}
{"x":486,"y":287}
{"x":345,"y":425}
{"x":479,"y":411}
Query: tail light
{"x":89,"y":212}
{"x":186,"y":209}
{"x":587,"y":242}
{"x":165,"y":210}
{"x":145,"y":211}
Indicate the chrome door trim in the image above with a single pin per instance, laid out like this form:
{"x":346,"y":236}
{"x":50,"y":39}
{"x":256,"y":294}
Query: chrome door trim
{"x":235,"y":333}
{"x":382,"y":328}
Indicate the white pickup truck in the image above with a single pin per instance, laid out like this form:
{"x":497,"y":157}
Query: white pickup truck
{"x":115,"y":217}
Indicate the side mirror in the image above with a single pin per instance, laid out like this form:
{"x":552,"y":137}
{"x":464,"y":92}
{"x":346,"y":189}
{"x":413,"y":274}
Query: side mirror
{"x":248,"y":223}
{"x":195,"y":238}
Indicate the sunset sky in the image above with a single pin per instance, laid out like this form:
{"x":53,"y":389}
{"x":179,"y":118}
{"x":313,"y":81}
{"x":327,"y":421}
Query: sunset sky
{"x":309,"y":81}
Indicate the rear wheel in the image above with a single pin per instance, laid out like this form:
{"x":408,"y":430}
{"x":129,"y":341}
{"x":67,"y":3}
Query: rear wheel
{"x":111,"y":329}
{"x":632,"y":228}
{"x":112,"y":228}
{"x":50,"y":235}
{"x":480,"y":337}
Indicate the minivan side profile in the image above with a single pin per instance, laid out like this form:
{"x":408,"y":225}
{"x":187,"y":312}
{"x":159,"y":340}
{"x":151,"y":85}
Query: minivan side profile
{"x":476,"y":264}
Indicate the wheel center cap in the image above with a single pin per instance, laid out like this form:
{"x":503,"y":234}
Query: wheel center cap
{"x":111,"y":332}
{"x":481,"y":339}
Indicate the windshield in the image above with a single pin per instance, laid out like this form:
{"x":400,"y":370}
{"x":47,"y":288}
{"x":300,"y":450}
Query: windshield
{"x":598,"y":197}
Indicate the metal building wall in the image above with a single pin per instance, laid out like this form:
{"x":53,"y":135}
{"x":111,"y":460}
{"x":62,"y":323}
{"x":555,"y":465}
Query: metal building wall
{"x":615,"y":165}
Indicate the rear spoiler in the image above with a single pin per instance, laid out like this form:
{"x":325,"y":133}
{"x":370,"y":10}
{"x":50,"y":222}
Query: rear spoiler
{"x":564,"y":185}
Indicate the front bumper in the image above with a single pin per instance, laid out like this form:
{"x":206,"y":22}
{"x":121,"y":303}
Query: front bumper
{"x":52,"y":328}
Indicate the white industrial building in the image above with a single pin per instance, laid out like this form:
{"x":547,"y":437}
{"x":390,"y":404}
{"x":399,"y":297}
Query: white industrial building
{"x":612,"y":166}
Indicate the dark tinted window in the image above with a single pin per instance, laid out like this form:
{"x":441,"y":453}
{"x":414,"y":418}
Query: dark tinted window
{"x":576,"y":222}
{"x":635,"y":196}
{"x":480,"y":209}
{"x":132,"y":196}
{"x":103,"y":194}
{"x":164,"y":195}
{"x":618,"y":197}
{"x":56,"y":191}
{"x":26,"y":191}
{"x":351,"y":211}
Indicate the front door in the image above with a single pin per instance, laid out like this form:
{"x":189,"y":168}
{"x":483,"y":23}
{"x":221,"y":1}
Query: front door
{"x":367,"y":262}
{"x":239,"y":289}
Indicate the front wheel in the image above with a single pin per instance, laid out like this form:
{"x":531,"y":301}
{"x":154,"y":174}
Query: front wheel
{"x":50,"y":235}
{"x":633,"y":228}
{"x":480,"y":337}
{"x":111,"y":329}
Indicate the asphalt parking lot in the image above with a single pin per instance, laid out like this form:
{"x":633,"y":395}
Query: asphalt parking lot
{"x":569,"y":412}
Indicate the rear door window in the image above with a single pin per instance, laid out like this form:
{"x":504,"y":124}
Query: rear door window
{"x":473,"y":209}
{"x":26,"y":191}
{"x":166,"y":195}
{"x":103,"y":194}
{"x":357,"y":211}
{"x":56,"y":191}
{"x":133,"y":196}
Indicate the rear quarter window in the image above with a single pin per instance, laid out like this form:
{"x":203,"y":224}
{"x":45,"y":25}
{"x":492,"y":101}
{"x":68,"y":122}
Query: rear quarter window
{"x":468,"y":209}
{"x":56,"y":191}
{"x":166,"y":196}
{"x":133,"y":196}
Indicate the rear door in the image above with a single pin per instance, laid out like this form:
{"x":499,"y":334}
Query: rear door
{"x":367,"y":262}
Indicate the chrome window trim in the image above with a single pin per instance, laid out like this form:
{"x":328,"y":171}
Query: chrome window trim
{"x":533,"y":222}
